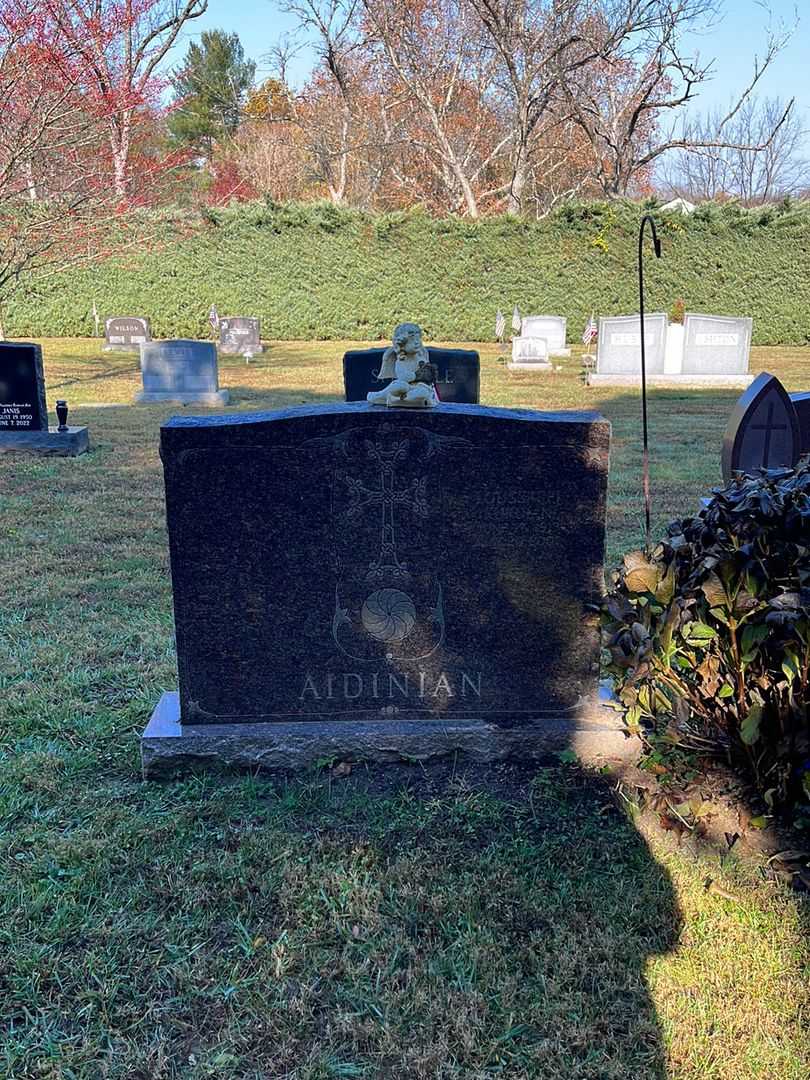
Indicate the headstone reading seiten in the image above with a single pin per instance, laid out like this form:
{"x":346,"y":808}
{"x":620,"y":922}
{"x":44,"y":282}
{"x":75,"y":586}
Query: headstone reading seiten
{"x":618,"y":354}
{"x":184,"y":372}
{"x":763,"y":430}
{"x":458,"y":373}
{"x":383,"y":583}
{"x":240,"y":336}
{"x":126,"y":333}
{"x":23,"y":412}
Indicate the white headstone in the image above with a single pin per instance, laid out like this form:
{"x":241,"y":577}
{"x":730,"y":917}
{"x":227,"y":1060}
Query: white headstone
{"x":550,"y":327}
{"x":619,"y":351}
{"x":530,"y":352}
{"x":716,"y":345}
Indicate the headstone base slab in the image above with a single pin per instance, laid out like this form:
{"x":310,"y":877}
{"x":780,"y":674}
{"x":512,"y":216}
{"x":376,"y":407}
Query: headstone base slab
{"x":559,"y":353}
{"x":122,"y":348}
{"x":51,"y":443}
{"x":696,"y":382}
{"x":223,"y":351}
{"x":168,"y":747}
{"x":520,"y":365}
{"x":158,"y":397}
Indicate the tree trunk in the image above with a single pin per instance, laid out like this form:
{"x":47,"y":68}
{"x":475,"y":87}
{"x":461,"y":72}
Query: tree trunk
{"x":120,"y":133}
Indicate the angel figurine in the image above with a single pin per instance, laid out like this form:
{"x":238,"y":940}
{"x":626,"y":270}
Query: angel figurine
{"x":407,"y":363}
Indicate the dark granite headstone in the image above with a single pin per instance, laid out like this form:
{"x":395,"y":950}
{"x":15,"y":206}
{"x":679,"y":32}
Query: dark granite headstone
{"x":801,"y":403}
{"x":126,"y":333}
{"x":239,"y":335}
{"x":763,"y":430}
{"x":22,"y":388}
{"x":181,"y":371}
{"x":459,"y":374}
{"x":379,"y":582}
{"x":23,"y":411}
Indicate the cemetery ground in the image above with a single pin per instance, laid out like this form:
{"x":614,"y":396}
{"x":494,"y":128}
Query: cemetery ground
{"x":428,"y":922}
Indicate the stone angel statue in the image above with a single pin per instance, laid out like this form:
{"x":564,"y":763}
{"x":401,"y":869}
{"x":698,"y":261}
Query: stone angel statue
{"x":407,"y":363}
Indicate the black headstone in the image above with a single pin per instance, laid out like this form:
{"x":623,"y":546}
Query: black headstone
{"x":763,"y":430}
{"x":801,"y":403}
{"x":126,"y":332}
{"x":384,"y":572}
{"x":459,"y":374}
{"x":239,"y":335}
{"x":22,"y":388}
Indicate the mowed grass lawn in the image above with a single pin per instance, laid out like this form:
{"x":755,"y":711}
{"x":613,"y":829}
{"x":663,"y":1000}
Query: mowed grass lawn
{"x":443,"y":922}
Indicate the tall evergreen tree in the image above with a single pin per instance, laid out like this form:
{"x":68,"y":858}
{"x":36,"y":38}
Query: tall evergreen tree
{"x":210,"y":91}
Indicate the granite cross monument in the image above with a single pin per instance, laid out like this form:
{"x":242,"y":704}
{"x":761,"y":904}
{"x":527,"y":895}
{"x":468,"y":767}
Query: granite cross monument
{"x":382,"y":583}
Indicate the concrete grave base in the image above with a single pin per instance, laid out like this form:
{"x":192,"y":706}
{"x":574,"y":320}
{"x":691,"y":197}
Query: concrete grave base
{"x":52,"y":443}
{"x":528,"y":365}
{"x":155,"y":397}
{"x":676,"y":380}
{"x":168,"y":747}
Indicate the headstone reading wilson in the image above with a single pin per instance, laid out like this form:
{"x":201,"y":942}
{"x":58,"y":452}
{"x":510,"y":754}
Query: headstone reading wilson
{"x":180,"y":371}
{"x":383,"y":583}
{"x":240,"y":335}
{"x":459,"y":373}
{"x":126,"y":333}
{"x":23,"y":412}
{"x":763,"y":430}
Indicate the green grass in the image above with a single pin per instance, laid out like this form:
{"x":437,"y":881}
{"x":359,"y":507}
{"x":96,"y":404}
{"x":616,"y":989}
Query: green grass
{"x":438,"y":924}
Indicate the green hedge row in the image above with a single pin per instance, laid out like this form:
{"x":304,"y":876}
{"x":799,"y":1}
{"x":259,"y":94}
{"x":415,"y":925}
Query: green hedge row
{"x":318,"y":272}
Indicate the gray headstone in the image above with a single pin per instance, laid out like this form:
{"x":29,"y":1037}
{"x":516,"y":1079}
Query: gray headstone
{"x":240,"y":334}
{"x":801,"y":403}
{"x":126,"y":333}
{"x":619,"y":345}
{"x":763,"y":430}
{"x":716,"y":345}
{"x":550,"y":327}
{"x":23,"y":411}
{"x":379,"y":582}
{"x":182,"y":371}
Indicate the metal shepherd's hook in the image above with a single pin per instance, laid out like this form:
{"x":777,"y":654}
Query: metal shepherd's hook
{"x":645,"y":461}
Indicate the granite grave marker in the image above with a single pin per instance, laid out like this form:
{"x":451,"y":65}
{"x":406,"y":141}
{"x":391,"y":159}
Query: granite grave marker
{"x":335,"y":593}
{"x":763,"y":430}
{"x":23,"y":411}
{"x":240,"y":335}
{"x":126,"y":333}
{"x":181,"y":371}
{"x":715,"y":347}
{"x":459,"y":373}
{"x":552,"y":328}
{"x":529,"y":354}
{"x":618,"y":353}
{"x":801,"y":403}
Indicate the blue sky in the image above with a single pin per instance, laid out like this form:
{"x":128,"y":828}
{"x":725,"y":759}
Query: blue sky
{"x":737,"y":35}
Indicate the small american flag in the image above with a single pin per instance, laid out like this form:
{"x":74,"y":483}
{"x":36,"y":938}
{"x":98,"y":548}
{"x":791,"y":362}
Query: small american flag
{"x":590,"y":331}
{"x":213,"y":317}
{"x":517,"y":321}
{"x":500,"y":325}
